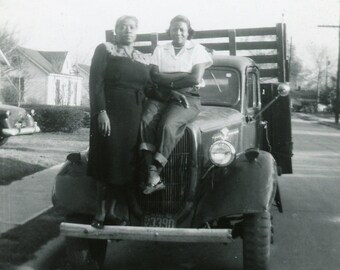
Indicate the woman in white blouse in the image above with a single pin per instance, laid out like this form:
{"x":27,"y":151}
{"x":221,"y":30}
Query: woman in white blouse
{"x":177,"y":69}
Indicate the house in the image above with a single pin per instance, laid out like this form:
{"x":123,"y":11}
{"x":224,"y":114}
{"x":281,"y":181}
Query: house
{"x":84,"y":72}
{"x":45,"y":77}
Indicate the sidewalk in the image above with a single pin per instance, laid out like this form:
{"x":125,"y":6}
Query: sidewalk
{"x":25,"y":199}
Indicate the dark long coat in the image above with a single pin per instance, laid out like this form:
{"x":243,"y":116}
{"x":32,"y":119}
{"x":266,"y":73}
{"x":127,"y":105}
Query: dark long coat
{"x":117,"y":85}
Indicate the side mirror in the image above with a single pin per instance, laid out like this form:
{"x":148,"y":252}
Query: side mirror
{"x":283,"y":89}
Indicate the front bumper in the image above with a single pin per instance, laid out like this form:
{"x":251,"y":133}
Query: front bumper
{"x":21,"y":131}
{"x":147,"y":233}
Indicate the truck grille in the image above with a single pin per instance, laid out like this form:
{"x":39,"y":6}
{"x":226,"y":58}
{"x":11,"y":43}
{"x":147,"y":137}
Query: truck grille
{"x":176,"y":176}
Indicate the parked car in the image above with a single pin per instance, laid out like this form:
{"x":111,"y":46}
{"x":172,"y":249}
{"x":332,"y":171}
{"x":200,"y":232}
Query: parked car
{"x":15,"y":121}
{"x":221,"y":179}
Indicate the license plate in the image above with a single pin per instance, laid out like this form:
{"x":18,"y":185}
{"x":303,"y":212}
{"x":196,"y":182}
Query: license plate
{"x":159,"y":221}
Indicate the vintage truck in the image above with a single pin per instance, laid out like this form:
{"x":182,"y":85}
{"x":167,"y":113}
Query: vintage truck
{"x":222,"y":177}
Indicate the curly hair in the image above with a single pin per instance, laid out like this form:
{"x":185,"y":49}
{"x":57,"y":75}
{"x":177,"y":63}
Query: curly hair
{"x":182,"y":18}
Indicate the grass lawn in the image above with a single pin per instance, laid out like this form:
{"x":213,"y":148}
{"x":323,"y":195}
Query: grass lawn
{"x":25,"y":155}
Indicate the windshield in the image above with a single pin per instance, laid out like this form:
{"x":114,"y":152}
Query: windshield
{"x":221,"y":87}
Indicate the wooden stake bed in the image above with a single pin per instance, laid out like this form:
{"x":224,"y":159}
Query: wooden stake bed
{"x":147,"y":233}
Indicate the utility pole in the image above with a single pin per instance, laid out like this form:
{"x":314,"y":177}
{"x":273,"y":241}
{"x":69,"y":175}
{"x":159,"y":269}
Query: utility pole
{"x":337,"y":96}
{"x":318,"y":89}
{"x":326,"y":79}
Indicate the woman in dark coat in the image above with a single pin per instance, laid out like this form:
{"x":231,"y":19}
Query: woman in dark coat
{"x":118,"y":76}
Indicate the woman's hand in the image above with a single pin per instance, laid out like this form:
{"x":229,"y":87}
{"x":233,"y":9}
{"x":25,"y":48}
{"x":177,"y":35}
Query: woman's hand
{"x":104,"y":126}
{"x":180,"y":98}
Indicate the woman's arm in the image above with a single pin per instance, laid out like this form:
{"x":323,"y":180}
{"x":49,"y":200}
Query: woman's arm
{"x":191,"y":79}
{"x":97,"y":95}
{"x":178,"y":80}
{"x":165,"y":78}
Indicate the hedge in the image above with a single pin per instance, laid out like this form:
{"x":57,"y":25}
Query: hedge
{"x":60,"y":118}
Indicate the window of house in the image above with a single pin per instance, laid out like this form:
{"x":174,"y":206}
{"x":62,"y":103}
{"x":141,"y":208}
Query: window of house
{"x":69,"y":92}
{"x":19,"y":83}
{"x":58,"y":96}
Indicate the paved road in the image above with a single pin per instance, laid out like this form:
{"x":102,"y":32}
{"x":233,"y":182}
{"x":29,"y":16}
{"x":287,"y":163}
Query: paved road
{"x":307,"y":234}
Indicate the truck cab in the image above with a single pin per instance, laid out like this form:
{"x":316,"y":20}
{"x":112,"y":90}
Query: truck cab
{"x":222,"y":177}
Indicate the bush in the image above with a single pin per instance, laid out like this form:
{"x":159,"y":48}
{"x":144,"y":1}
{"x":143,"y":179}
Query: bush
{"x":60,"y":118}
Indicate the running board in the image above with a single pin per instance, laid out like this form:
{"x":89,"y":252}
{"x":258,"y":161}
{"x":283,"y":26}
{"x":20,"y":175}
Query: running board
{"x":147,"y":233}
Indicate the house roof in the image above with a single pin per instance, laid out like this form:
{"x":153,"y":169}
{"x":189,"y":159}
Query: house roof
{"x":85,"y":68}
{"x":57,"y":59}
{"x":51,"y":62}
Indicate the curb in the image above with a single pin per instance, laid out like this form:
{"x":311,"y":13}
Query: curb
{"x":45,"y":255}
{"x":319,"y":120}
{"x":332,"y":125}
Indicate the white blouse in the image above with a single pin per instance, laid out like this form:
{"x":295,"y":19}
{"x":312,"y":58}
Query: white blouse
{"x":191,"y":54}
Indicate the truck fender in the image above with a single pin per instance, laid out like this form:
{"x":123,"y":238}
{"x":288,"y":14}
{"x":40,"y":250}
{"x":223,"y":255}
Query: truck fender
{"x":74,"y":191}
{"x":247,"y":186}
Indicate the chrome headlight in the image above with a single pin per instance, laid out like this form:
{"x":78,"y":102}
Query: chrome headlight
{"x":222,"y":153}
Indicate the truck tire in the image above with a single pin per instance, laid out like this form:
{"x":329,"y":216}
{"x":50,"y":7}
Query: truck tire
{"x":86,"y":254}
{"x":82,"y":253}
{"x":256,"y":241}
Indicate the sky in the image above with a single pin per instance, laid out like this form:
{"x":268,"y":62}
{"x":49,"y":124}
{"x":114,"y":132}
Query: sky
{"x":79,"y":26}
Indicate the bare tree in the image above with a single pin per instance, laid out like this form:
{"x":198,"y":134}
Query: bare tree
{"x":8,"y":42}
{"x":296,"y":69}
{"x":320,"y":71}
{"x":16,"y":77}
{"x":8,"y":45}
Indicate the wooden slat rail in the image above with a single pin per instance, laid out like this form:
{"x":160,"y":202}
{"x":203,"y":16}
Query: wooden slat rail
{"x":265,"y":51}
{"x":147,"y":233}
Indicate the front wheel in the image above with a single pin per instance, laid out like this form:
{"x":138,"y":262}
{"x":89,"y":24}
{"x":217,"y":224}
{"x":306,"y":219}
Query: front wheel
{"x":82,"y":253}
{"x":256,"y":241}
{"x":86,"y":254}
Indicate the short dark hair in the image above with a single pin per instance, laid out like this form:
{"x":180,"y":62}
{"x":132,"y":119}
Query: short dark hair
{"x":184,"y":19}
{"x":123,"y":18}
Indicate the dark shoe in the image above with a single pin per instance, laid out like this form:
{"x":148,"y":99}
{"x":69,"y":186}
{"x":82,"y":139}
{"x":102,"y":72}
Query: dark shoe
{"x":98,"y":224}
{"x":115,"y":221}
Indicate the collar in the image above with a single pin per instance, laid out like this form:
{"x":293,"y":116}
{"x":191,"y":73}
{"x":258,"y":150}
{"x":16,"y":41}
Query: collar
{"x":114,"y":50}
{"x":188,"y":45}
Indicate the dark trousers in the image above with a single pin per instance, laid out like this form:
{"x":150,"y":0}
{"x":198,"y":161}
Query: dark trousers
{"x":163,"y":124}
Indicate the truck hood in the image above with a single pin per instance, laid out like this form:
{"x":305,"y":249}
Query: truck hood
{"x":211,"y":118}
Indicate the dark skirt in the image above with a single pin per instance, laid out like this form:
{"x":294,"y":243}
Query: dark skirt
{"x":113,"y":159}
